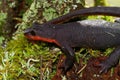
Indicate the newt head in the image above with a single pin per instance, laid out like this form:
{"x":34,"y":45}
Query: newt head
{"x":40,"y":33}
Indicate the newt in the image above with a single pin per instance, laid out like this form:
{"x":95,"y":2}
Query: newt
{"x":95,"y":34}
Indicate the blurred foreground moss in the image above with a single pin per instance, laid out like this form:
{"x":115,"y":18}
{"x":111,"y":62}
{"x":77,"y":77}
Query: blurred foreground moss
{"x":21,"y":60}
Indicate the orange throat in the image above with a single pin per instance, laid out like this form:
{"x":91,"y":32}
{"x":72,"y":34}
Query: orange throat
{"x":38,"y":38}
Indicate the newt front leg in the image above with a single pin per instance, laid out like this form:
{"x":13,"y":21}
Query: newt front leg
{"x":70,"y":57}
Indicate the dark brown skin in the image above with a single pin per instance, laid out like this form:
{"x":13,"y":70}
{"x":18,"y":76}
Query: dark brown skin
{"x":95,"y":34}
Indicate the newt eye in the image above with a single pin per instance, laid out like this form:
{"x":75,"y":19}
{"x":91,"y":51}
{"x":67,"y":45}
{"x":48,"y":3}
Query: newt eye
{"x":33,"y":33}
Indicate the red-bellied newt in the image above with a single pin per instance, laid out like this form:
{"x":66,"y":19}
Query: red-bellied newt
{"x":95,"y":34}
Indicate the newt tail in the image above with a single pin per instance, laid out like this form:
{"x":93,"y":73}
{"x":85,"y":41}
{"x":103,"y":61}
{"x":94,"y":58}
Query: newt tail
{"x":111,"y":11}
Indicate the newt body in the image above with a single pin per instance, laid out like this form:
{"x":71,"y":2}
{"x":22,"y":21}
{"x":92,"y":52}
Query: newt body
{"x":80,"y":34}
{"x":95,"y":34}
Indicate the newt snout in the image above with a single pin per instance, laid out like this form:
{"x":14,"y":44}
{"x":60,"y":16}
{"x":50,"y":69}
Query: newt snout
{"x":29,"y":33}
